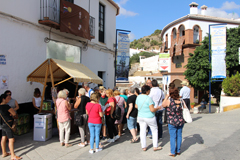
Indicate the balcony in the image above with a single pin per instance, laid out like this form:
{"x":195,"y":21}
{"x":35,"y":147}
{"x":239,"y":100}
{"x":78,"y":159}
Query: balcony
{"x":50,"y":15}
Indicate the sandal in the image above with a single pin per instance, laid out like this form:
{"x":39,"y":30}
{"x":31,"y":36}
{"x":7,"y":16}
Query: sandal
{"x":68,"y":145}
{"x":134,"y":140}
{"x":156,"y":149}
{"x":144,"y":149}
{"x":5,"y":155}
{"x":16,"y":158}
{"x":172,"y":155}
{"x":62,"y":144}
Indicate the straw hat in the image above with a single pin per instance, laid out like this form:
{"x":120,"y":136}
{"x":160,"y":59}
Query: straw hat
{"x":185,"y":83}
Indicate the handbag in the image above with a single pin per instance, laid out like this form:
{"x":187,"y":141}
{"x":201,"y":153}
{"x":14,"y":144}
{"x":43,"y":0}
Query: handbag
{"x":14,"y":126}
{"x":186,"y":113}
{"x":78,"y":120}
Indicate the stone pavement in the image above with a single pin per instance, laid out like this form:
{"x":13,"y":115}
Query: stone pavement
{"x":209,"y":136}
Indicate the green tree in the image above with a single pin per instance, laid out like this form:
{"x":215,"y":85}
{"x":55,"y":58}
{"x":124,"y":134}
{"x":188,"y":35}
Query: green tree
{"x":154,"y":43}
{"x":148,"y":39}
{"x":135,"y":58}
{"x":156,"y":32}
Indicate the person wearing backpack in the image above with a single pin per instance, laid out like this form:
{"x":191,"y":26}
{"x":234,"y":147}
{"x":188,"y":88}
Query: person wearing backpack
{"x":120,"y":103}
{"x":109,"y":115}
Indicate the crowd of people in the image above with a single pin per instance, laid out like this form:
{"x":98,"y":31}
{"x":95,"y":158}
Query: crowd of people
{"x":96,"y":111}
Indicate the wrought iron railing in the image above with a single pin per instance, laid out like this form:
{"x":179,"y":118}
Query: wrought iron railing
{"x":50,"y":10}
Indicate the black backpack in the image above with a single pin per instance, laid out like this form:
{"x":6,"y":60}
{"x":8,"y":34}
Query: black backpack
{"x":117,"y":112}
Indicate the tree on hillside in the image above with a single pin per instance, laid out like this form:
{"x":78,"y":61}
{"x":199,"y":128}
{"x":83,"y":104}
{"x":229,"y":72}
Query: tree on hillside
{"x":156,"y":32}
{"x":154,"y":43}
{"x":147,"y":39}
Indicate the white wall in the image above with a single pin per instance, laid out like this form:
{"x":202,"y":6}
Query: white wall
{"x":227,"y":101}
{"x":149,"y":64}
{"x":24,"y":47}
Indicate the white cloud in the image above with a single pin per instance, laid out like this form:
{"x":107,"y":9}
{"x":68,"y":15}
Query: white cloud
{"x":131,"y":36}
{"x":123,"y":2}
{"x":221,"y":12}
{"x":229,"y":6}
{"x":123,"y":11}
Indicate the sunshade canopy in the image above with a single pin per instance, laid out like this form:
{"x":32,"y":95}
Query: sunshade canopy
{"x":61,"y":69}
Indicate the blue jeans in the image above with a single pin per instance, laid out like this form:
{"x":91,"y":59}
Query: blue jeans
{"x":158,"y":116}
{"x":94,"y":134}
{"x":175,"y":137}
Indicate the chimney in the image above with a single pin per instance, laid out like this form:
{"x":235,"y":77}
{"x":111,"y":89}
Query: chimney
{"x":204,"y":10}
{"x":193,"y":8}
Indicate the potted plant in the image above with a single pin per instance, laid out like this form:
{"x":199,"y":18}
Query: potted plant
{"x":192,"y":104}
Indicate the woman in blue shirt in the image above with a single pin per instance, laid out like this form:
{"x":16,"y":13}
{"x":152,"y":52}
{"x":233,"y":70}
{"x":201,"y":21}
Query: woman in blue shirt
{"x":146,"y":117}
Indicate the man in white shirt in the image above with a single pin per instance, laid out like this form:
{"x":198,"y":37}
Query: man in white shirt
{"x":157,"y":96}
{"x":185,"y":93}
{"x":89,"y":91}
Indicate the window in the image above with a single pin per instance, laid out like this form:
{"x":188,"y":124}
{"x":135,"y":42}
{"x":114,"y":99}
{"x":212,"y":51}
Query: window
{"x":182,"y":31}
{"x":101,"y":22}
{"x":196,"y":35}
{"x":72,"y":1}
{"x":174,"y":33}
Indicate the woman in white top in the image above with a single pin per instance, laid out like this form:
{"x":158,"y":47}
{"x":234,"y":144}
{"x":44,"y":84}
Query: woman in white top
{"x":36,"y":100}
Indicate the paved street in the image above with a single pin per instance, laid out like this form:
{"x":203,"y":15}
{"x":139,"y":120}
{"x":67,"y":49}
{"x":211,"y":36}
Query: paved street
{"x":210,"y":136}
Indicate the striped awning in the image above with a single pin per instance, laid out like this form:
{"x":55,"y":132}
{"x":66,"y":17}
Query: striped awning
{"x":61,"y":69}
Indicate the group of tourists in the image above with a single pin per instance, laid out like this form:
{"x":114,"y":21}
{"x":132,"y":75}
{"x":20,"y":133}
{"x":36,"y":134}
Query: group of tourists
{"x":102,"y":113}
{"x":96,"y":115}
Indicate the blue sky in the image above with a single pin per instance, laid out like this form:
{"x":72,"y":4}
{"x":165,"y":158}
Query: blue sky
{"x":143,"y":17}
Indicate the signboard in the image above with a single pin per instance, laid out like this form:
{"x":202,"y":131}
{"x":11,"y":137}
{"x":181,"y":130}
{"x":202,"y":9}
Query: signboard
{"x":2,"y":59}
{"x":164,"y":61}
{"x":74,"y":20}
{"x":4,"y":82}
{"x":218,"y":47}
{"x":123,"y":55}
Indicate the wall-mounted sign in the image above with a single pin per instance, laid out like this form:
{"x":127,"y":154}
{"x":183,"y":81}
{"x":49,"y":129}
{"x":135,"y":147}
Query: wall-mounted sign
{"x":4,"y":82}
{"x":218,"y":47}
{"x":164,"y":61}
{"x":2,"y":59}
{"x":74,"y":19}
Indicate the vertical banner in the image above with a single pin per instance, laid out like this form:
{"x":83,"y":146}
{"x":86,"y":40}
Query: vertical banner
{"x":218,"y":47}
{"x":164,"y":61}
{"x":123,"y":56}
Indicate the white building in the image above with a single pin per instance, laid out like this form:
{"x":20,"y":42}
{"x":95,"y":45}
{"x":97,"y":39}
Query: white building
{"x":183,"y":35}
{"x":22,"y":41}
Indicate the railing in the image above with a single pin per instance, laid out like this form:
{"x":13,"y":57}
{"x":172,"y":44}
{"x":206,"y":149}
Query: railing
{"x":92,"y":26}
{"x":50,"y":10}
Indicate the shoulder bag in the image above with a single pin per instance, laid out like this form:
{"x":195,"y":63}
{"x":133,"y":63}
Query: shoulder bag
{"x":186,"y":113}
{"x":14,"y":126}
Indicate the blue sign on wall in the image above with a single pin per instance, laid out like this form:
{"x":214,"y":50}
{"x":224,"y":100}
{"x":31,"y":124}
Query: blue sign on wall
{"x":3,"y":59}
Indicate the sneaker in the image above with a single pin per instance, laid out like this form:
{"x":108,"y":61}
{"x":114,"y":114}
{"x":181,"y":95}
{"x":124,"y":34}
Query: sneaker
{"x":150,"y":137}
{"x":81,"y":145}
{"x":110,"y":140}
{"x":116,"y":137}
{"x":98,"y":150}
{"x":91,"y":151}
{"x":103,"y":138}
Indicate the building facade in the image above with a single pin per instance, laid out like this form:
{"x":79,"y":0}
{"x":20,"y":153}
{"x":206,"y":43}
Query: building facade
{"x":183,"y":35}
{"x":30,"y":28}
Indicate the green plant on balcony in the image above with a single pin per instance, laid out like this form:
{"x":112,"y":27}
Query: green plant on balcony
{"x":196,"y":41}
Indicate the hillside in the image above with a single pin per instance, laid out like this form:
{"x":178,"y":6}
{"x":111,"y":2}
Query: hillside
{"x":150,"y":42}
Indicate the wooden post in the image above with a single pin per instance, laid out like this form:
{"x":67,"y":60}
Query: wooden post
{"x":44,"y":88}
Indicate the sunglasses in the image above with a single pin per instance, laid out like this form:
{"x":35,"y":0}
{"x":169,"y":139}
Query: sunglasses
{"x":9,"y":94}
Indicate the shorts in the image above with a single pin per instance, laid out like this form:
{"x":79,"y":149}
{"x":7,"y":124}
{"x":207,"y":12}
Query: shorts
{"x":132,"y":123}
{"x":6,"y":131}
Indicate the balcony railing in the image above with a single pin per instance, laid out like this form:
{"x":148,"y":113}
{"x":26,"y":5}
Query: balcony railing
{"x":50,"y":15}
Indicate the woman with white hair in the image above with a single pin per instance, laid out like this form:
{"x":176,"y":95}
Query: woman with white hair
{"x":63,"y":117}
{"x":80,"y":104}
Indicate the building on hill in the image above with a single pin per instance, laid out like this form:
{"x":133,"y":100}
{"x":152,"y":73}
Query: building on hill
{"x":23,"y":36}
{"x":182,"y":36}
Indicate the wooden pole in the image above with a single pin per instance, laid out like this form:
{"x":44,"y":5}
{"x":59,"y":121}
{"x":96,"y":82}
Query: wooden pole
{"x":52,"y":80}
{"x":44,"y":88}
{"x":63,"y":81}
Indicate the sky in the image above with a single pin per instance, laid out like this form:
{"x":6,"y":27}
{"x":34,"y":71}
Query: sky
{"x":143,"y":17}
